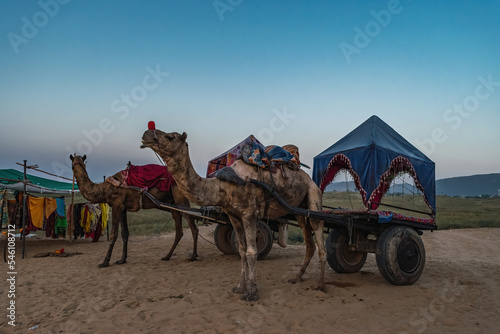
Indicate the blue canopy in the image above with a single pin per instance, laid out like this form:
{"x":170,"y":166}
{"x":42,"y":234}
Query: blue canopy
{"x":374,"y":154}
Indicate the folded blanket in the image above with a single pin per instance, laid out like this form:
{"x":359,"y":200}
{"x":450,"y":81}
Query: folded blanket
{"x":258,"y":155}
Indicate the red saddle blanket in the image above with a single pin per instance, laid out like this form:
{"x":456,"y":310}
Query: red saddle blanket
{"x":148,"y":176}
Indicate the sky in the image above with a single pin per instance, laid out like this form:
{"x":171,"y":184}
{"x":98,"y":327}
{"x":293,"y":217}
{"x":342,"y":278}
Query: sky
{"x":86,"y":77}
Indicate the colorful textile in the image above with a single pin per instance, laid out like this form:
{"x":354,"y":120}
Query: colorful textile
{"x":50,"y":223}
{"x":104,"y":215}
{"x":258,"y":155}
{"x":278,"y":154}
{"x":61,"y":207}
{"x":12,"y":212}
{"x":91,"y":214}
{"x":40,"y":209}
{"x":50,"y":206}
{"x":144,"y":177}
{"x":227,"y":158}
{"x":387,"y":216}
{"x":36,"y":206}
{"x":4,"y":216}
{"x":149,"y":176}
{"x":76,"y":218}
{"x":61,"y":225}
{"x":254,"y":154}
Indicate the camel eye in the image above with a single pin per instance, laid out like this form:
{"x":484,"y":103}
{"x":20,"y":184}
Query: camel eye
{"x":170,"y":137}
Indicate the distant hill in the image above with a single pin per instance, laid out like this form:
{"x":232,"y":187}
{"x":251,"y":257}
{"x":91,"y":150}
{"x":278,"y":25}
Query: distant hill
{"x":474,"y":185}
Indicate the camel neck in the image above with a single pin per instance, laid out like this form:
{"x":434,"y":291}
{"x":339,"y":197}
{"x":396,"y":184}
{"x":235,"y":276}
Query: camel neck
{"x":198,"y":190}
{"x":87,"y":188}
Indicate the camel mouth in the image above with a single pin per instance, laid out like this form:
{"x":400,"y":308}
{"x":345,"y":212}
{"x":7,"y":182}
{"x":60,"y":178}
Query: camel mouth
{"x":147,"y":143}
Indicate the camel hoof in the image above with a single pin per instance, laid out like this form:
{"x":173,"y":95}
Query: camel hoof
{"x":166,"y":258}
{"x":295,"y":280}
{"x":121,"y":262}
{"x":321,"y":287}
{"x":238,"y":290}
{"x":193,"y":257}
{"x":250,"y":297}
{"x":103,"y":265}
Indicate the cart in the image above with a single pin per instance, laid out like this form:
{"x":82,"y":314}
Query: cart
{"x":399,"y":250}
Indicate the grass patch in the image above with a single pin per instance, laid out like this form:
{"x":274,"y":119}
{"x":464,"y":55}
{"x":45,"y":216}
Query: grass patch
{"x":457,"y":212}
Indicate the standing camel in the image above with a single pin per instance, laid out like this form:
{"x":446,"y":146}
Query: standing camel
{"x":122,"y":200}
{"x":244,"y":204}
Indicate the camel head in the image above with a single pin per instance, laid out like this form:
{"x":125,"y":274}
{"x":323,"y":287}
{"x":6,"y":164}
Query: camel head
{"x":77,"y":160}
{"x":165,"y":144}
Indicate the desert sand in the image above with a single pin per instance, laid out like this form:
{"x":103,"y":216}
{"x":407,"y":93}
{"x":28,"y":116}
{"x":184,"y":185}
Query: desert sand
{"x":459,"y":291}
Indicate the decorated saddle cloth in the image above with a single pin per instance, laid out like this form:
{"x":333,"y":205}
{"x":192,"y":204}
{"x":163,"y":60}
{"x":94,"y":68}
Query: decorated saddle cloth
{"x":145,"y":177}
{"x":271,"y":156}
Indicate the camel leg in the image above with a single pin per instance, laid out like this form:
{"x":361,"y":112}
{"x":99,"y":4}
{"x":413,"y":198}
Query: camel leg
{"x":250,"y":229}
{"x":310,"y":248}
{"x":194,"y":233}
{"x":240,"y":235}
{"x":317,"y":226}
{"x":314,"y":197}
{"x":125,"y":235}
{"x":180,"y":199}
{"x":178,"y":233}
{"x":115,"y":220}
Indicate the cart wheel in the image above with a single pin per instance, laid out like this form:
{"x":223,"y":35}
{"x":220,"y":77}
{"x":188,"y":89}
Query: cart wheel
{"x":400,"y":255}
{"x":222,"y":238}
{"x":339,"y":256}
{"x":264,"y":240}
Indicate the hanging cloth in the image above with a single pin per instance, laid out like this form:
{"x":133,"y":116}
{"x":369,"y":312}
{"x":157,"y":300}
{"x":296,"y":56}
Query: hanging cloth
{"x":4,"y":216}
{"x":50,"y":206}
{"x":61,"y":207}
{"x":105,"y":215}
{"x":36,"y":205}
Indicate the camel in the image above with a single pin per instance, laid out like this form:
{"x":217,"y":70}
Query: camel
{"x":244,"y":204}
{"x":122,"y":200}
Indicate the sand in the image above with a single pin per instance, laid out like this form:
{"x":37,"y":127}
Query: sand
{"x":459,"y":291}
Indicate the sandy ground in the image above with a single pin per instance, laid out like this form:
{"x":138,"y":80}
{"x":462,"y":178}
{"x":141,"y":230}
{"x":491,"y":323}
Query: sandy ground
{"x":459,"y":291}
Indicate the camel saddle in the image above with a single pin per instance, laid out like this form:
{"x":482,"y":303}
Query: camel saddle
{"x":272,"y":157}
{"x":143,"y":177}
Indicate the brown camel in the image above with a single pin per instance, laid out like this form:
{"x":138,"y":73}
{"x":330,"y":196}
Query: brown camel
{"x":244,"y":204}
{"x":122,"y":200}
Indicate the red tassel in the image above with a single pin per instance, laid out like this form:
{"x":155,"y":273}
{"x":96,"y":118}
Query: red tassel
{"x":151,"y":125}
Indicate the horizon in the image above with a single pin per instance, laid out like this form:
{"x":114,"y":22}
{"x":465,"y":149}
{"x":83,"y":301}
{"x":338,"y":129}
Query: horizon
{"x":86,"y":79}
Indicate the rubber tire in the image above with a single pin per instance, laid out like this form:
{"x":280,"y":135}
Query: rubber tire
{"x":264,"y":240}
{"x":222,"y":238}
{"x":400,"y":255}
{"x":339,"y":256}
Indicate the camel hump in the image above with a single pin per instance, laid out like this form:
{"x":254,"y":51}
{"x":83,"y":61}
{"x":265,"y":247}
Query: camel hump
{"x":228,"y":174}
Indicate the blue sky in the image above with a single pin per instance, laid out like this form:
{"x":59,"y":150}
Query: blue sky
{"x":87,"y":76}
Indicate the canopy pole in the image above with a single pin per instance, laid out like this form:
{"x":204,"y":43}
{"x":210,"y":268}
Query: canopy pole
{"x":23,"y":235}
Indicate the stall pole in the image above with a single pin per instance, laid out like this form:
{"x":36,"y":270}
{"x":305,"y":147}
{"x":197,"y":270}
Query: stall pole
{"x":23,"y":236}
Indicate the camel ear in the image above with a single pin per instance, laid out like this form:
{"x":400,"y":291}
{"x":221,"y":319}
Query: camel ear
{"x":84,"y":157}
{"x":71,"y":157}
{"x":183,"y":137}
